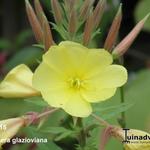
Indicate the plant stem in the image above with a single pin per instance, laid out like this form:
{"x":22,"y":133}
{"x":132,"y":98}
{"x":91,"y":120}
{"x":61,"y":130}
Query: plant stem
{"x":123,"y":117}
{"x":48,"y":112}
{"x":100,"y":120}
{"x":82,"y":136}
{"x":122,"y":121}
{"x":33,"y":117}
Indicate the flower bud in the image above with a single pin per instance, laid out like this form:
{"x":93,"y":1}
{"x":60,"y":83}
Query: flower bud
{"x":114,"y":29}
{"x":88,"y":30}
{"x":123,"y":46}
{"x":34,"y":22}
{"x":39,"y":11}
{"x":18,"y":83}
{"x":133,"y":139}
{"x":72,"y":23}
{"x":86,"y":9}
{"x":56,"y":7}
{"x":47,"y":34}
{"x":98,"y":12}
{"x":9,"y":128}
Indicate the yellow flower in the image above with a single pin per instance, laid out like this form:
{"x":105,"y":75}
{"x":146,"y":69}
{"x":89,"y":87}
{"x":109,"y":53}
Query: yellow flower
{"x":18,"y":83}
{"x":143,"y":143}
{"x":72,"y":76}
{"x":9,"y":128}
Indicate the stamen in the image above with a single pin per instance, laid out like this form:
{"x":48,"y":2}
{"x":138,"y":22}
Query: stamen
{"x":75,"y":83}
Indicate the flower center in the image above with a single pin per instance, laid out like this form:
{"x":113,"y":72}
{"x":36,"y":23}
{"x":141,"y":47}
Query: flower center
{"x":75,"y":83}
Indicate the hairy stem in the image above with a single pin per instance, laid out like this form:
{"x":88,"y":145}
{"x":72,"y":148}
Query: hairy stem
{"x":33,"y":117}
{"x":122,"y":120}
{"x":100,"y":120}
{"x":82,"y":136}
{"x":48,"y":112}
{"x":123,"y":117}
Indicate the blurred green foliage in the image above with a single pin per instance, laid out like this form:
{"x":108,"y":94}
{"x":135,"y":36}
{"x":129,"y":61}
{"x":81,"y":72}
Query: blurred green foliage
{"x":142,"y":9}
{"x":18,"y":42}
{"x":28,"y":55}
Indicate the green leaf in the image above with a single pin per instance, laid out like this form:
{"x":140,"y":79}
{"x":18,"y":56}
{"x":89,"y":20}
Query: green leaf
{"x":5,"y":44}
{"x":97,"y":32}
{"x":60,"y":29}
{"x":28,"y":56}
{"x":55,"y":130}
{"x":142,"y":9}
{"x":61,"y":132}
{"x":47,"y":4}
{"x":50,"y":145}
{"x":122,"y":106}
{"x":63,"y":135}
{"x":33,"y":132}
{"x":117,"y":110}
{"x":37,"y":101}
{"x":111,"y":111}
{"x":22,"y":37}
{"x":90,"y":145}
{"x":41,"y":46}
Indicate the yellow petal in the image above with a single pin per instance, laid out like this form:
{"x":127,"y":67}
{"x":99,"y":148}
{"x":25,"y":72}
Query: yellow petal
{"x":69,"y":100}
{"x":70,"y":45}
{"x":77,"y":106}
{"x":45,"y":78}
{"x":70,"y":58}
{"x":56,"y":97}
{"x":95,"y":61}
{"x":66,"y":59}
{"x":18,"y":83}
{"x":110,"y":77}
{"x":96,"y":94}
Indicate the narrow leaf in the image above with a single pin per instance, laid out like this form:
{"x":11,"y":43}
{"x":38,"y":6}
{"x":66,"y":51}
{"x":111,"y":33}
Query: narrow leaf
{"x":117,"y":111}
{"x":36,"y":101}
{"x":55,"y":130}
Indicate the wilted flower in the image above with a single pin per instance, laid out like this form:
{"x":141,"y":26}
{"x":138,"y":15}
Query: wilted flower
{"x":9,"y":128}
{"x":18,"y":83}
{"x":72,"y":76}
{"x":137,"y":139}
